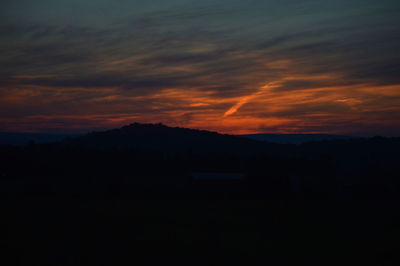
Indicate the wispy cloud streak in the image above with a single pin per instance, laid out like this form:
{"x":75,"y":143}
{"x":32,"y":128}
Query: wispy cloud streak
{"x":248,"y":98}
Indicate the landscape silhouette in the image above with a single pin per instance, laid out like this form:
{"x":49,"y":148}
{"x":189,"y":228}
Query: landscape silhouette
{"x":117,"y":196}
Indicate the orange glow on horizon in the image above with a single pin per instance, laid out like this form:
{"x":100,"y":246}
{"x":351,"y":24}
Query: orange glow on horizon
{"x":292,"y":103}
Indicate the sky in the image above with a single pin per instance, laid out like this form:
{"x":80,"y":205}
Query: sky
{"x":231,"y":66}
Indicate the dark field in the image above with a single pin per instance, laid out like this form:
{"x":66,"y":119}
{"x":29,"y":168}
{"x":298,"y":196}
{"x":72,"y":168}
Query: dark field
{"x":199,"y":198}
{"x":44,"y":232}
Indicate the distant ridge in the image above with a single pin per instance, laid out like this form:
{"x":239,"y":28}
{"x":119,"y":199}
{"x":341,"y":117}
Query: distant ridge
{"x":295,"y":138}
{"x":22,"y":139}
{"x":159,"y":134}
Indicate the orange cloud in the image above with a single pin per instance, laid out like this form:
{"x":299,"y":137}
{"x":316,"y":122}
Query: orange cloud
{"x":293,"y":101}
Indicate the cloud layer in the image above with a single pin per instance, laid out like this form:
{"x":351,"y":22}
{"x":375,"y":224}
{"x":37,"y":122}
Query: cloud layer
{"x":231,"y":66}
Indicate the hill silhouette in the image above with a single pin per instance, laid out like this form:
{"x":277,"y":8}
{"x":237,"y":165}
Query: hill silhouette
{"x":169,"y":140}
{"x":154,"y":155}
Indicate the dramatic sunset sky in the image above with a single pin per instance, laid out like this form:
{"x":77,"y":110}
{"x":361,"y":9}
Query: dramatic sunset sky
{"x":277,"y":66}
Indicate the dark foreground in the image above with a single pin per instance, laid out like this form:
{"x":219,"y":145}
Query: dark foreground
{"x":98,"y":201}
{"x":252,"y":232}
